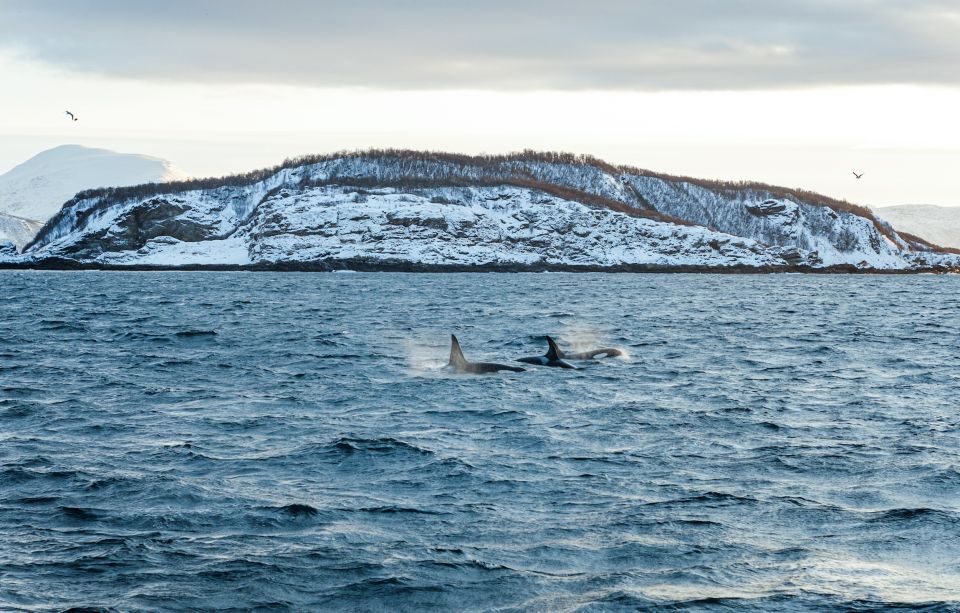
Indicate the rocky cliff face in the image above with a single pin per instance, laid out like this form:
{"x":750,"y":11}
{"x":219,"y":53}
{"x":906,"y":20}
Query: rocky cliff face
{"x":533,"y":210}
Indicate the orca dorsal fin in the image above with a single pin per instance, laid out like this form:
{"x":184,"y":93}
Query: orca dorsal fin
{"x":554,"y":352}
{"x":456,"y":355}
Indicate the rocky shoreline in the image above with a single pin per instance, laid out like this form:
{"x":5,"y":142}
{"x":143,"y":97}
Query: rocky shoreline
{"x":397,"y":266}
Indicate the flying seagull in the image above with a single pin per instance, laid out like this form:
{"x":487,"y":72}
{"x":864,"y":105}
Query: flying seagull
{"x":71,"y":115}
{"x":859,"y":176}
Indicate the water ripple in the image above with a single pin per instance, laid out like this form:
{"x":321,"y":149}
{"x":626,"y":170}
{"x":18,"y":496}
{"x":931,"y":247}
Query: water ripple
{"x":237,"y":441}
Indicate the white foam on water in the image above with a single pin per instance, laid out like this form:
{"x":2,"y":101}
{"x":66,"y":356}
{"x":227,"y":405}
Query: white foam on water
{"x":583,"y":337}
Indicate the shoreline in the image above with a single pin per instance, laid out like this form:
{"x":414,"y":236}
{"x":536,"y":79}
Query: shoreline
{"x":360,"y":265}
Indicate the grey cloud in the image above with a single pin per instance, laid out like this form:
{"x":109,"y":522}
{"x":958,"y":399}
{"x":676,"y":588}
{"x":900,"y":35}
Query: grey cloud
{"x":497,"y":44}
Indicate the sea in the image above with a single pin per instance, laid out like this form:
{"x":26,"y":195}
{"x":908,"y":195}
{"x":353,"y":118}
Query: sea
{"x":174,"y":441}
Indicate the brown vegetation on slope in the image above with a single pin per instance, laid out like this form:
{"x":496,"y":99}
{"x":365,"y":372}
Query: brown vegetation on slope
{"x":922,"y":244}
{"x":493,"y":164}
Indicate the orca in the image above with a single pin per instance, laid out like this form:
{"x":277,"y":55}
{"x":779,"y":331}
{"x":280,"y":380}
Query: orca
{"x":458,"y":363}
{"x":593,"y":354}
{"x":553,"y":358}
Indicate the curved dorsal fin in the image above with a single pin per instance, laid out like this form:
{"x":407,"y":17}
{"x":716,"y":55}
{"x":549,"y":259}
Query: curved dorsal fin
{"x":456,"y":355}
{"x":554,"y":352}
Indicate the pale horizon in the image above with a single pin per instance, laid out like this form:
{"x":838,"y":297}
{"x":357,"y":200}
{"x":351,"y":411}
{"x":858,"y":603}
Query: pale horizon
{"x":792,"y":115}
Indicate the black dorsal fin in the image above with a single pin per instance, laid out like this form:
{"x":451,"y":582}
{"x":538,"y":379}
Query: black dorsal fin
{"x":456,"y":355}
{"x":554,"y":352}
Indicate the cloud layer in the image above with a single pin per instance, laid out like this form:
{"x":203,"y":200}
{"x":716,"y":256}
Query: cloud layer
{"x":497,"y":44}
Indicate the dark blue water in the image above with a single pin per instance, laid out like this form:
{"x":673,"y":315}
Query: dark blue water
{"x":175,"y":441}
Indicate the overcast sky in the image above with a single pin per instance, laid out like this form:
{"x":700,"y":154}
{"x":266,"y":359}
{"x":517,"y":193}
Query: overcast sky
{"x":796,"y":92}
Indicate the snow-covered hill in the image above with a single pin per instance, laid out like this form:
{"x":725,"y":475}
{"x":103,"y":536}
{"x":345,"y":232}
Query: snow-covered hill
{"x":17,"y":230}
{"x":422,"y":210}
{"x":34,"y":191}
{"x":938,"y":224}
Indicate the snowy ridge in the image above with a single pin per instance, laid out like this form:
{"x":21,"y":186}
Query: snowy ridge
{"x":528,"y":210}
{"x":829,"y":236}
{"x":17,"y":230}
{"x":939,"y":225}
{"x":35,"y":190}
{"x":195,"y":215}
{"x":464,"y":226}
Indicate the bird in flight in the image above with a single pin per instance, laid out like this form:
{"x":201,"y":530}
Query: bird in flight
{"x":859,"y":176}
{"x":71,"y":115}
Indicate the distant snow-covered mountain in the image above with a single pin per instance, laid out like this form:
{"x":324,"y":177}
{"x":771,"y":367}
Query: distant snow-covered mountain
{"x":34,"y":191}
{"x":407,"y":210}
{"x":18,"y":230}
{"x":938,"y":224}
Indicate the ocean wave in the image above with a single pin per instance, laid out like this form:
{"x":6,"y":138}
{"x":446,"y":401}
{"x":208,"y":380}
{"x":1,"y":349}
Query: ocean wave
{"x":274,"y":450}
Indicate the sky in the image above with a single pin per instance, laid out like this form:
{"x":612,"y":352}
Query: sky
{"x":792,"y":93}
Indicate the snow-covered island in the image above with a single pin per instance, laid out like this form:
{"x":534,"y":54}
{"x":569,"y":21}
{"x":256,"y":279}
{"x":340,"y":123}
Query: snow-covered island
{"x":418,"y":211}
